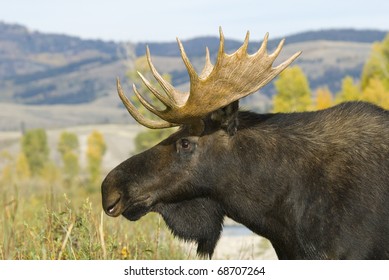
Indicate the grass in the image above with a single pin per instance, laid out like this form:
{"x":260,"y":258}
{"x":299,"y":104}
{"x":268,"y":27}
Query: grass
{"x":44,"y":220}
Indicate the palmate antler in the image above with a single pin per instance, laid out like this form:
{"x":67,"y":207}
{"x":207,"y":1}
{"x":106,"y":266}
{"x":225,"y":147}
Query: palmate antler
{"x":231,"y":78}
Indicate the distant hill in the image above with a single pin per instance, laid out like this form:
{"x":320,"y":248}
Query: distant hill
{"x":195,"y":47}
{"x":38,"y":68}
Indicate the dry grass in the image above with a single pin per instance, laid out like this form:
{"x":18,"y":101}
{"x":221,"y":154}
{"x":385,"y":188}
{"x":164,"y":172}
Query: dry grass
{"x":44,"y":221}
{"x":45,"y":218}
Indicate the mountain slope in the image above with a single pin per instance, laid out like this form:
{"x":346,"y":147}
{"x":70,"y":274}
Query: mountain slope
{"x":41,"y":68}
{"x":37,"y":68}
{"x":195,"y":47}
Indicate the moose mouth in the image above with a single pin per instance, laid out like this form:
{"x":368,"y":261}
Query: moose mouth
{"x":136,"y":211}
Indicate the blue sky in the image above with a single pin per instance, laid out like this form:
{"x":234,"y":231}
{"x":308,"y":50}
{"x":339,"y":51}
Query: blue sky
{"x":163,"y":20}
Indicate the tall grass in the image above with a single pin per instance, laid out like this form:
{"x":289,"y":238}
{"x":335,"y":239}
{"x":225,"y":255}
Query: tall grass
{"x":45,"y":219}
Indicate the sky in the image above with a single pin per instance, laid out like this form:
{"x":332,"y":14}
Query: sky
{"x":164,"y":20}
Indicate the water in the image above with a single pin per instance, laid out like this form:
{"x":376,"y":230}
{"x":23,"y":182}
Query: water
{"x":236,"y":230}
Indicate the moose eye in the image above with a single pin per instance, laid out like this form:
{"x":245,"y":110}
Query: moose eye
{"x":185,"y":144}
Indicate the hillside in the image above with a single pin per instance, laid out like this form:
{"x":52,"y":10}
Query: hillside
{"x":196,"y":46}
{"x":38,"y":68}
{"x":53,"y":80}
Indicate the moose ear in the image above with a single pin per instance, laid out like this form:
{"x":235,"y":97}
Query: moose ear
{"x":227,"y":117}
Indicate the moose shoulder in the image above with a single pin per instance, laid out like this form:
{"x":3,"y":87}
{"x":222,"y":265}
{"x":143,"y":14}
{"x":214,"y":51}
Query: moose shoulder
{"x":316,"y":184}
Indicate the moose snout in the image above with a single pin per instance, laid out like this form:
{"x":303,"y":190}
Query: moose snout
{"x":112,"y":197}
{"x":112,"y":205}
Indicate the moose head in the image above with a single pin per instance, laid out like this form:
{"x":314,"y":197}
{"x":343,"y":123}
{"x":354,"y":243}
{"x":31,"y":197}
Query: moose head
{"x":196,"y":176}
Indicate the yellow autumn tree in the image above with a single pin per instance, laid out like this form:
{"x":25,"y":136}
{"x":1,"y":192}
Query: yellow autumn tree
{"x":377,"y":65}
{"x":95,"y":151}
{"x":323,"y":98}
{"x":376,"y":93}
{"x":292,"y":91}
{"x":350,"y":91}
{"x":375,"y":75}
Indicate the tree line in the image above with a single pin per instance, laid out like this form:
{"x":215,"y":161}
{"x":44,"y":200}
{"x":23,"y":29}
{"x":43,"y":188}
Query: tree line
{"x":33,"y":160}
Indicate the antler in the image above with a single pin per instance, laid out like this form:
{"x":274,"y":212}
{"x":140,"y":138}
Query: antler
{"x":231,"y":78}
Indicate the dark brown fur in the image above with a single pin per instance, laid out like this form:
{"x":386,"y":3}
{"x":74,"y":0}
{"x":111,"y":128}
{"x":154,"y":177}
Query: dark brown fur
{"x":315,"y":184}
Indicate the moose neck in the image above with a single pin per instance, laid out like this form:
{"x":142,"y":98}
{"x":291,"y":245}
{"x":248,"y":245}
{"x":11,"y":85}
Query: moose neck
{"x":264,"y":187}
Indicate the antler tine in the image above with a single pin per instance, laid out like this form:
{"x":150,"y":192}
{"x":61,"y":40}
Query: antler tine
{"x":207,"y":56}
{"x":221,"y":44}
{"x":286,"y":63}
{"x":243,"y":48}
{"x":191,"y":71}
{"x":144,"y":102}
{"x":168,"y":102}
{"x":138,"y":116}
{"x":208,"y":65}
{"x":168,"y":88}
{"x":274,"y":55}
{"x":263,"y":47}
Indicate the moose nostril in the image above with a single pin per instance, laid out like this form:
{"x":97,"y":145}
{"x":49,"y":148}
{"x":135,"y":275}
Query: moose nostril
{"x":111,"y":209}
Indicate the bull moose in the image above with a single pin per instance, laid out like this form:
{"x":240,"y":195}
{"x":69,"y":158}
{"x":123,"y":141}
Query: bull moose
{"x":316,"y":184}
